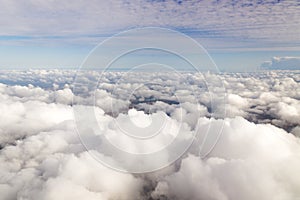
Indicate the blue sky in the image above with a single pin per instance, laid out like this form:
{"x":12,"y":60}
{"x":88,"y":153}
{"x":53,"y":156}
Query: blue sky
{"x":239,"y":35}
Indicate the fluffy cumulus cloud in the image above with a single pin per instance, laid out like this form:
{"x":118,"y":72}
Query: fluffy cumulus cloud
{"x":257,"y":156}
{"x":239,"y":168}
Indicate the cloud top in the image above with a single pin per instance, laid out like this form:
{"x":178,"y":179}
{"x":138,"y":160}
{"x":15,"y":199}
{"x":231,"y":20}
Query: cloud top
{"x":42,"y":158}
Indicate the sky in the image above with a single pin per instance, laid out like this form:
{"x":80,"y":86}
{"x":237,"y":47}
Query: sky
{"x":239,"y":35}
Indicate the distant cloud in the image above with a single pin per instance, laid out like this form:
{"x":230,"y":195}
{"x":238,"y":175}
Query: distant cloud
{"x":283,"y":63}
{"x":274,"y":23}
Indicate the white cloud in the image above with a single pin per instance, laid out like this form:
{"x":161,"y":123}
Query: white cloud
{"x":41,"y":156}
{"x":249,"y":162}
{"x":296,"y":131}
{"x":64,"y":96}
{"x":283,"y":63}
{"x":256,"y":22}
{"x":290,"y":112}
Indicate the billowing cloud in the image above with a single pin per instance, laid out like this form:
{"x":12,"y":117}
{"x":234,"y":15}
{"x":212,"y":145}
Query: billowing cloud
{"x":42,"y":157}
{"x":238,"y":166}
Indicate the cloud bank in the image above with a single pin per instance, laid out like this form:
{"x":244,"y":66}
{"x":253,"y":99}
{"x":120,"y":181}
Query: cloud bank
{"x":282,"y":63}
{"x":41,"y":156}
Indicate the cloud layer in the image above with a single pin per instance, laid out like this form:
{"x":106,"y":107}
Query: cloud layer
{"x":274,"y":23}
{"x":42,"y":157}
